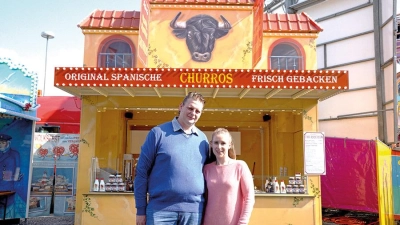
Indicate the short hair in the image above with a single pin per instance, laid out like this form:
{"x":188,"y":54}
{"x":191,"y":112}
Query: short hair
{"x":195,"y":96}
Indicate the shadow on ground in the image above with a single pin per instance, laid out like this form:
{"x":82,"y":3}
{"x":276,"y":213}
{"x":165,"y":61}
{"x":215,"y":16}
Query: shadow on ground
{"x":338,"y":216}
{"x":48,"y":220}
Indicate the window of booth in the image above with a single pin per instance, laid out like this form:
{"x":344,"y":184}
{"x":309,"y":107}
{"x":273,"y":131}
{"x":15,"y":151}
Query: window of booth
{"x":271,"y":148}
{"x":286,"y":56}
{"x":116,"y":51}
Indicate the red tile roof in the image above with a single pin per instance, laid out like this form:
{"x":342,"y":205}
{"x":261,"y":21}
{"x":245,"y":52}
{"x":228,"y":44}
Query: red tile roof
{"x":293,"y":23}
{"x":112,"y":19}
{"x":281,"y":23}
{"x":204,"y":2}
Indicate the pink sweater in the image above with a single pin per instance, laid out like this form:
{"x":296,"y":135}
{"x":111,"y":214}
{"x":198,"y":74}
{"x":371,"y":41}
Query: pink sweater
{"x":230,"y":193}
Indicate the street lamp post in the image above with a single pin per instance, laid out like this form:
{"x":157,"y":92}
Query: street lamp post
{"x":48,"y":35}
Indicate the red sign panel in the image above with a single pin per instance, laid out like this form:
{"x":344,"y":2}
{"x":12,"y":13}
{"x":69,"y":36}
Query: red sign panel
{"x":207,"y":78}
{"x":143,"y":41}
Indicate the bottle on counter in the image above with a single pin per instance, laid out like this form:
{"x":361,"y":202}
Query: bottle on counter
{"x":272,"y":184}
{"x":102,"y":186}
{"x":129,"y":184}
{"x":96,"y":185}
{"x":266,"y":186}
{"x":282,"y":187}
{"x":276,"y":187}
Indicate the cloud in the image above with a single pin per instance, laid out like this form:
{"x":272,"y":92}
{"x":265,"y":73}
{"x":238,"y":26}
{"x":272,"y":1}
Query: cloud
{"x":35,"y":63}
{"x":31,"y":63}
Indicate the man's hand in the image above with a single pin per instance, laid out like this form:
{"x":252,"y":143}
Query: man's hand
{"x":140,"y":220}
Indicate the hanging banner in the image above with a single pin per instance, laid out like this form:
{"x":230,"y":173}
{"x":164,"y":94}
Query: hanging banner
{"x":314,"y":153}
{"x":396,"y":183}
{"x":351,"y":181}
{"x":385,"y":192}
{"x":54,"y":156}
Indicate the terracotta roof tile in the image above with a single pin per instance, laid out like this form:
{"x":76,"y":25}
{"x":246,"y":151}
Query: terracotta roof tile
{"x":225,"y":2}
{"x":292,"y":23}
{"x":111,"y":19}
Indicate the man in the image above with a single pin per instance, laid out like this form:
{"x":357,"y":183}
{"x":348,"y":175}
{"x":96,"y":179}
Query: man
{"x":10,"y":170}
{"x":170,"y":169}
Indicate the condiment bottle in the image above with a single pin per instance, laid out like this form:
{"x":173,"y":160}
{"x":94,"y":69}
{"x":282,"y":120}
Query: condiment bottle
{"x":102,"y":187}
{"x":276,"y":187}
{"x":96,"y":185}
{"x":129,"y":185}
{"x":121,"y":187}
{"x":266,"y":185}
{"x":282,"y":187}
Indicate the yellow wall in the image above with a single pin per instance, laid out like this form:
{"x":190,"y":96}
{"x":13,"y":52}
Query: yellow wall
{"x":94,"y":39}
{"x":268,"y":209}
{"x":306,"y":43}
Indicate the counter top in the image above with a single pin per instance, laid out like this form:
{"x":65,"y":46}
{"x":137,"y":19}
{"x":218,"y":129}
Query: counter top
{"x":257,"y":194}
{"x":107,"y":193}
{"x":264,"y":194}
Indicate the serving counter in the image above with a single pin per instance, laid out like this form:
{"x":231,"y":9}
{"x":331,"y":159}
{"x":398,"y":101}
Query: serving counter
{"x":274,"y":209}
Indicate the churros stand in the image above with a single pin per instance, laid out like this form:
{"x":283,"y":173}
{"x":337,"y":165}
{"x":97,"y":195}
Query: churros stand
{"x":257,"y":72}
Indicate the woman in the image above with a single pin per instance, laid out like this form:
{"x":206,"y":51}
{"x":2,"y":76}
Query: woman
{"x":230,"y":188}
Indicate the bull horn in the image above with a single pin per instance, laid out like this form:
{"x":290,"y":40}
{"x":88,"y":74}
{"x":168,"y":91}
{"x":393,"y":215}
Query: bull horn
{"x":225,"y":24}
{"x":177,"y":25}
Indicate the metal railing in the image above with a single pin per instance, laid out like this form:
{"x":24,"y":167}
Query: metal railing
{"x":117,"y":60}
{"x":286,"y":62}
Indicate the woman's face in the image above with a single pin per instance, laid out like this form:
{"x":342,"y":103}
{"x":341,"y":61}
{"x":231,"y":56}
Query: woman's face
{"x":221,"y":143}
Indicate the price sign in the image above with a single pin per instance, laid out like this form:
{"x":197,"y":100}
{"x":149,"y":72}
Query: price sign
{"x":314,"y":153}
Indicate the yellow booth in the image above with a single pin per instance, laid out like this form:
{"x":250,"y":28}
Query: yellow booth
{"x":257,"y":73}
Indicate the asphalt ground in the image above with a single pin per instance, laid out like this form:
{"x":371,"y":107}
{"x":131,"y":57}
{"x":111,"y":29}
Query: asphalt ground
{"x":330,"y":217}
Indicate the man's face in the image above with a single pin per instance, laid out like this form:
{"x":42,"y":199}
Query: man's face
{"x":3,"y":145}
{"x":190,"y":112}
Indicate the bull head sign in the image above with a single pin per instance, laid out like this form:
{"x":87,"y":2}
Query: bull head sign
{"x":200,"y":32}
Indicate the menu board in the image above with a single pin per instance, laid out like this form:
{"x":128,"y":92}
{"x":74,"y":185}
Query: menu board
{"x":314,"y":153}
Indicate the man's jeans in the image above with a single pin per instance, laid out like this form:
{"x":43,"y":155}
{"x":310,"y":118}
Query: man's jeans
{"x":156,"y":217}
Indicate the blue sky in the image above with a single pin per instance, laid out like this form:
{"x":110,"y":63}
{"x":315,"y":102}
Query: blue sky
{"x":22,"y":22}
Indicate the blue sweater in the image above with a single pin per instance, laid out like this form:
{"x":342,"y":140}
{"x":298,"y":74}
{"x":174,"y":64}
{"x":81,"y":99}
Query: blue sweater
{"x":170,"y":170}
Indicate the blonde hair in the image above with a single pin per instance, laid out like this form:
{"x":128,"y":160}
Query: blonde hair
{"x":231,"y":150}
